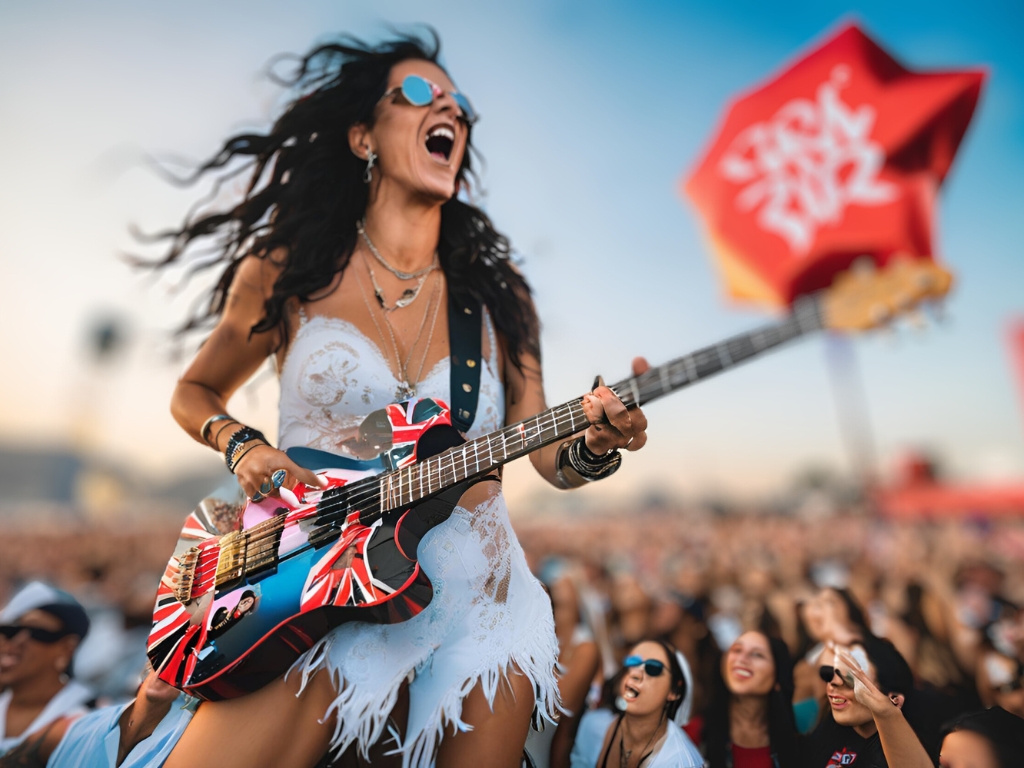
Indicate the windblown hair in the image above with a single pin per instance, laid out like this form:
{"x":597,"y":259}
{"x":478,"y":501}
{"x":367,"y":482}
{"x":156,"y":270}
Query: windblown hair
{"x":305,"y":194}
{"x":781,"y":722}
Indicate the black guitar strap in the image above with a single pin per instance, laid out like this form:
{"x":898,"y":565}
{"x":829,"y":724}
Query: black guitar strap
{"x":465,"y":329}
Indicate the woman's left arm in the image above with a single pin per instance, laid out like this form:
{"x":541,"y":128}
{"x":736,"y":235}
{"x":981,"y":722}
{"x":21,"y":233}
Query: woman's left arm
{"x":613,"y":426}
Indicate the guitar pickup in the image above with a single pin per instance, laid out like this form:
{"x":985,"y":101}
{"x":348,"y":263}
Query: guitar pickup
{"x":185,"y":577}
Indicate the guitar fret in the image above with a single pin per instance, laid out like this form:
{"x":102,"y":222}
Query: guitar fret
{"x":723,"y":355}
{"x":665,"y":379}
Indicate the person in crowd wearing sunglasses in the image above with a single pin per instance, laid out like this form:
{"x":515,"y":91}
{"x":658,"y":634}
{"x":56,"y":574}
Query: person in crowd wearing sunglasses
{"x":139,"y":733}
{"x":345,"y":258}
{"x":40,"y":628}
{"x":750,"y":721}
{"x":990,"y":739}
{"x":865,"y":726}
{"x":639,"y":724}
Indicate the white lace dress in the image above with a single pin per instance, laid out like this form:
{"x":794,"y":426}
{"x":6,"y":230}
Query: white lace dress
{"x":488,"y":612}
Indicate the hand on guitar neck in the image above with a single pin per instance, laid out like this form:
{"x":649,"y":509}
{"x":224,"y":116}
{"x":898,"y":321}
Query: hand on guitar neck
{"x":613,"y":424}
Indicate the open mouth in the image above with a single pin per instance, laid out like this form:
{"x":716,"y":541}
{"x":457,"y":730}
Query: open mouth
{"x":440,"y":142}
{"x":630,"y":693}
{"x":837,"y":702}
{"x":741,"y":673}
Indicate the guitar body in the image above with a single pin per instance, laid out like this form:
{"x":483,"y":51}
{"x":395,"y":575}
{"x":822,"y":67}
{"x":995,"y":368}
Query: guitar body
{"x":237,"y":606}
{"x":221,"y":630}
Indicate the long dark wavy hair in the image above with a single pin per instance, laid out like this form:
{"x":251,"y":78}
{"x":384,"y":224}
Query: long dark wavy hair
{"x":781,"y":722}
{"x":305,"y":194}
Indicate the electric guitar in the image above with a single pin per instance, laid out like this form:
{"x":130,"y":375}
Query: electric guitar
{"x":236,"y":607}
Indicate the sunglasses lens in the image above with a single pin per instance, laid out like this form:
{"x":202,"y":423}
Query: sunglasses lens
{"x":654,"y":668}
{"x":826,"y":673}
{"x":9,"y":632}
{"x":417,"y":91}
{"x":632,"y":661}
{"x":465,"y":106}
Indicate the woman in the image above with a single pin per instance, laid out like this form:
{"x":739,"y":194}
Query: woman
{"x":40,"y":629}
{"x":653,"y":695}
{"x":350,"y":239}
{"x":750,"y":722}
{"x":990,"y":739}
{"x":831,"y":615}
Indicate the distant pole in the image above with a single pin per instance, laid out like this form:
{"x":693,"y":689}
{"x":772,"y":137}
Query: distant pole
{"x":850,"y":399}
{"x":1015,"y":337}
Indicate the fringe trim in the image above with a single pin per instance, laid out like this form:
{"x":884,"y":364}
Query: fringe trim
{"x":364,"y":721}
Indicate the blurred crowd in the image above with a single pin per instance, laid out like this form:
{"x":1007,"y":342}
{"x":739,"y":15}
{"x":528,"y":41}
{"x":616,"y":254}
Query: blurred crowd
{"x":947,"y":595}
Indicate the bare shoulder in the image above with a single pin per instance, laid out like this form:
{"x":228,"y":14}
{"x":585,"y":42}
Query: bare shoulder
{"x":256,"y":275}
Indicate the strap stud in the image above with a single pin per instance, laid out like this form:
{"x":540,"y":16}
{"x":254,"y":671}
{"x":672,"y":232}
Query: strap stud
{"x":471,"y":363}
{"x":467,"y":387}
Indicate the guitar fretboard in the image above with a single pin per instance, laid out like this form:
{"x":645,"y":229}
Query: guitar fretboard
{"x":408,"y":485}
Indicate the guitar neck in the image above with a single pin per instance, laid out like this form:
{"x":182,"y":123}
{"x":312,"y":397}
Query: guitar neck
{"x":477,"y":457}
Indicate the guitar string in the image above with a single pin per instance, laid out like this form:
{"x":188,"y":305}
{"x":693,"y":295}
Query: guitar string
{"x":436,"y":471}
{"x":326,"y":517}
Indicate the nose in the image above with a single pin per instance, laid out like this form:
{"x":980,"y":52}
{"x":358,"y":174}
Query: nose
{"x":445,"y":102}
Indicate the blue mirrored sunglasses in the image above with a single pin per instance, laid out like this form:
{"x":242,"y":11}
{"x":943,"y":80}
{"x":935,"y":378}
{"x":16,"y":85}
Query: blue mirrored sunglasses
{"x":420,"y":92}
{"x":652,"y":667}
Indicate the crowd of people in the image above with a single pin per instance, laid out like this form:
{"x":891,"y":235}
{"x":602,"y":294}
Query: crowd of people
{"x":707,"y":637}
{"x":648,"y":640}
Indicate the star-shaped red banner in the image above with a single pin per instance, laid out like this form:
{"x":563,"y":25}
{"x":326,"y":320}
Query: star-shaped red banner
{"x":838,"y":157}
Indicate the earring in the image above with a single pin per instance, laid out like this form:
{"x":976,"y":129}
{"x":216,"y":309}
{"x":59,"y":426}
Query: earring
{"x":370,"y":159}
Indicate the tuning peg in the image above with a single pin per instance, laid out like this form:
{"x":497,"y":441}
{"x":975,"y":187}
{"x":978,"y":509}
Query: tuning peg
{"x":917,"y":320}
{"x":937,"y":312}
{"x":880,"y":315}
{"x":863,"y":267}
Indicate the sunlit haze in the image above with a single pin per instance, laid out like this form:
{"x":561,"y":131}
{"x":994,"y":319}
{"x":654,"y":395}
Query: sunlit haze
{"x":591,"y":114}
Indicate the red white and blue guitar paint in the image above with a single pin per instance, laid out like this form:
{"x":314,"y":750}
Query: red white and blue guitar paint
{"x":252,"y":586}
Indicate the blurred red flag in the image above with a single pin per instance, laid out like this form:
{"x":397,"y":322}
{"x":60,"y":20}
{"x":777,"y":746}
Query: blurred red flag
{"x":839,"y":156}
{"x":1017,"y":354}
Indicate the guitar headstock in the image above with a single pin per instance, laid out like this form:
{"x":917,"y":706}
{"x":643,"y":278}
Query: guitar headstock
{"x":861,"y":299}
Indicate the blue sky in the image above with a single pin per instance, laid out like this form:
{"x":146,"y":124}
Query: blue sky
{"x":592,"y":113}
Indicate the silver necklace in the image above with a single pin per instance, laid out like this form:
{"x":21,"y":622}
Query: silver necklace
{"x":408,"y":295}
{"x":406,"y":388}
{"x":361,"y":229}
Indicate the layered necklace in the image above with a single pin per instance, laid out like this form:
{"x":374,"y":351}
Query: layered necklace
{"x":409,"y":294}
{"x":406,"y":384}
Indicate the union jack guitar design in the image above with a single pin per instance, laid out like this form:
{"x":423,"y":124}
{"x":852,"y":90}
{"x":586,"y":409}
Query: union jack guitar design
{"x":253,"y":585}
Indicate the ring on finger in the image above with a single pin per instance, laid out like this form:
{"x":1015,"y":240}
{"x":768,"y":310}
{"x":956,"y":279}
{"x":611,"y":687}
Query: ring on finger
{"x":257,"y":497}
{"x":266,"y":488}
{"x":277,"y":478}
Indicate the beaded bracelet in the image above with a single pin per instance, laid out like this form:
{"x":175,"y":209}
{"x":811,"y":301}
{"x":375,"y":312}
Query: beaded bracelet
{"x":232,"y":453}
{"x":576,"y":464}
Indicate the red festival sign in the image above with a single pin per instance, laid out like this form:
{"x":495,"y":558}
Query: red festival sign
{"x":839,"y":156}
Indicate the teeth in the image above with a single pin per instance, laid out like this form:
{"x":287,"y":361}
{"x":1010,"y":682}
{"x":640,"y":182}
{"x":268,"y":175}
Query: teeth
{"x":442,"y":130}
{"x":743,"y":673}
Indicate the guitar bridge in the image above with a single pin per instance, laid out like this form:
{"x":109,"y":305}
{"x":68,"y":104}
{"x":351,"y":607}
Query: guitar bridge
{"x":186,"y":575}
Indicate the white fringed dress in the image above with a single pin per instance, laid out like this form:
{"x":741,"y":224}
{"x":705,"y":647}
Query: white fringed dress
{"x":489,"y":614}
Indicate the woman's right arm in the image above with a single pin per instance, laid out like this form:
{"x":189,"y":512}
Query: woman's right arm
{"x":228,"y":358}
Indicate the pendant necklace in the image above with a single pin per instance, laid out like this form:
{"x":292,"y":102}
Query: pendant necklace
{"x":408,"y":295}
{"x":406,"y":388}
